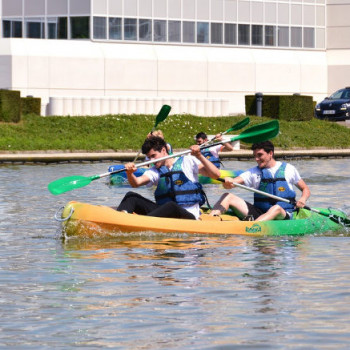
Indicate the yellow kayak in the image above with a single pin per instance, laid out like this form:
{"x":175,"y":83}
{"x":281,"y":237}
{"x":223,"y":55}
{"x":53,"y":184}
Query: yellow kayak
{"x":91,"y":221}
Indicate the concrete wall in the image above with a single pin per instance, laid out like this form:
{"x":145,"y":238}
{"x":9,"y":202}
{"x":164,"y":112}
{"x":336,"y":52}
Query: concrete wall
{"x":46,"y":68}
{"x":338,"y":44}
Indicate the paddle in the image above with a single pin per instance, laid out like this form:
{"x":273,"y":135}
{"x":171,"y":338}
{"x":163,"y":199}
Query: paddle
{"x":336,"y":218}
{"x":254,"y":134}
{"x":161,"y":116}
{"x":240,"y":125}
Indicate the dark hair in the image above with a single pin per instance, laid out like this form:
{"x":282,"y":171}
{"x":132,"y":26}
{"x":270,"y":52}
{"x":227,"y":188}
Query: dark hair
{"x":154,"y":142}
{"x":201,"y":135}
{"x":267,"y":146}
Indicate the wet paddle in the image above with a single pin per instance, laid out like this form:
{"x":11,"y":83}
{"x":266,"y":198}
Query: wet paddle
{"x":161,"y":116}
{"x":336,"y":218}
{"x":257,"y":133}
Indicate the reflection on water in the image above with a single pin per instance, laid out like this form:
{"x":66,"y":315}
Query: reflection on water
{"x":158,"y":291}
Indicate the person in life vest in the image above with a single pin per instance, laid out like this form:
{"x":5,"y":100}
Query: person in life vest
{"x":160,"y":134}
{"x":178,"y":193}
{"x":212,"y":153}
{"x":269,"y":176}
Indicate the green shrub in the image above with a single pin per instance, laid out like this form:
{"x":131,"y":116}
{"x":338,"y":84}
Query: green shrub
{"x":31,"y":105}
{"x":10,"y":106}
{"x":282,"y":107}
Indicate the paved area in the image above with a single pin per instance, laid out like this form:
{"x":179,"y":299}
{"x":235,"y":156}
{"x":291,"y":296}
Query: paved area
{"x":71,"y":157}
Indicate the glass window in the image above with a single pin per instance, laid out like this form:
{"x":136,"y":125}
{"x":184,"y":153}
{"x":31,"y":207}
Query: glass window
{"x":174,"y":31}
{"x":283,"y":36}
{"x":100,"y":28}
{"x":35,"y":28}
{"x":202,"y":32}
{"x":57,"y":28}
{"x":145,"y":29}
{"x":188,"y":32}
{"x":159,"y":30}
{"x":216,"y":33}
{"x":296,"y":37}
{"x":243,"y":34}
{"x":230,"y":34}
{"x":130,"y":29}
{"x":17,"y":29}
{"x":270,"y":36}
{"x":257,"y":35}
{"x":6,"y":29}
{"x":115,"y":28}
{"x":80,"y":27}
{"x":309,"y":37}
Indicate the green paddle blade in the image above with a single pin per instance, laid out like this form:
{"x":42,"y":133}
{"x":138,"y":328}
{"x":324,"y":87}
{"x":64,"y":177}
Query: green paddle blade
{"x":259,"y":133}
{"x":163,"y":113}
{"x":239,"y":125}
{"x":69,"y":183}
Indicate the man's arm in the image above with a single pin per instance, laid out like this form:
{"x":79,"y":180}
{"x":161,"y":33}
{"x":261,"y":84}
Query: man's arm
{"x":135,"y":181}
{"x":226,"y":146}
{"x":304,"y":188}
{"x":206,"y":168}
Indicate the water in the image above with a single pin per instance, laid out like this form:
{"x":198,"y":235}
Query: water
{"x":167,"y":291}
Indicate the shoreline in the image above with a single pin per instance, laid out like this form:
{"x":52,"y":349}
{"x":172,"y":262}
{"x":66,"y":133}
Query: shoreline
{"x":47,"y":157}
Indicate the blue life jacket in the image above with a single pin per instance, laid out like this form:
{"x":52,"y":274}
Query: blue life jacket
{"x":207,"y":154}
{"x":277,"y":186}
{"x":174,"y":185}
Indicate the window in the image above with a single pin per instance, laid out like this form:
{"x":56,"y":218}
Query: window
{"x":159,"y":30}
{"x":309,"y":37}
{"x":174,"y":31}
{"x":296,"y":37}
{"x":6,"y":29}
{"x":257,"y":35}
{"x":35,"y":28}
{"x":283,"y":36}
{"x":80,"y":27}
{"x":145,"y":29}
{"x":100,"y":29}
{"x":12,"y":29}
{"x":243,"y":34}
{"x":188,"y":32}
{"x":270,"y":36}
{"x":230,"y":34}
{"x":216,"y":33}
{"x":57,"y":28}
{"x":130,"y":29}
{"x":115,"y":28}
{"x":202,"y":32}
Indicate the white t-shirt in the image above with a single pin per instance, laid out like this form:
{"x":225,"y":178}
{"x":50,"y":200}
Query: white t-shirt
{"x":190,"y":169}
{"x":252,"y":179}
{"x":215,"y":150}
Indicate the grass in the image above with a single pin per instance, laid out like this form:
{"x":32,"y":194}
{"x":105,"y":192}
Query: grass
{"x":127,"y":132}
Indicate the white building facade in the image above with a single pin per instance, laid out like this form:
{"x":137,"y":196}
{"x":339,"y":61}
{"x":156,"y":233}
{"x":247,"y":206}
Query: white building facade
{"x":200,"y":56}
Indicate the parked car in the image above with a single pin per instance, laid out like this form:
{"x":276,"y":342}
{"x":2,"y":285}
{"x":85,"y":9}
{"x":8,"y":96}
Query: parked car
{"x":335,"y":107}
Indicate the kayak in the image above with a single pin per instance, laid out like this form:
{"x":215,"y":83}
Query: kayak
{"x":121,"y":179}
{"x":92,"y":221}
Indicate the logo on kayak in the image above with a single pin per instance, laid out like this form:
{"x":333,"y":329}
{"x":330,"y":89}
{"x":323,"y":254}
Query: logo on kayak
{"x":178,"y":182}
{"x":281,"y":189}
{"x":255,"y":228}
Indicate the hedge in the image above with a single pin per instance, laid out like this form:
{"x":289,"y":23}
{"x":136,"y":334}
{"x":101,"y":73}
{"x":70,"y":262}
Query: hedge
{"x":283,"y":107}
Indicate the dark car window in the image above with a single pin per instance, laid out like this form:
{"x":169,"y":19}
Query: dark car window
{"x":346,"y":94}
{"x":337,"y":95}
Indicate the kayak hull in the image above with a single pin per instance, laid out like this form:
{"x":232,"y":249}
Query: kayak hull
{"x":121,"y":179}
{"x":91,"y":221}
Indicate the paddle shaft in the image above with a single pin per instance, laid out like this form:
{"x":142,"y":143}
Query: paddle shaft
{"x":160,"y":159}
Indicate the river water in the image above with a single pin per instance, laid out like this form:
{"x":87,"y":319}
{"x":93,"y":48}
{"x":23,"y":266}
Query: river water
{"x":167,"y":291}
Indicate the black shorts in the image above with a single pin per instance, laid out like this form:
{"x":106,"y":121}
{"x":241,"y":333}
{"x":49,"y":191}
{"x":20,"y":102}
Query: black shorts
{"x":254,"y":212}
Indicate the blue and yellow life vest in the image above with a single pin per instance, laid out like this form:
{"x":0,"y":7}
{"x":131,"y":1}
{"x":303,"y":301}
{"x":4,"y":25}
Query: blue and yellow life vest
{"x":174,"y":185}
{"x":277,"y":186}
{"x":207,"y":154}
